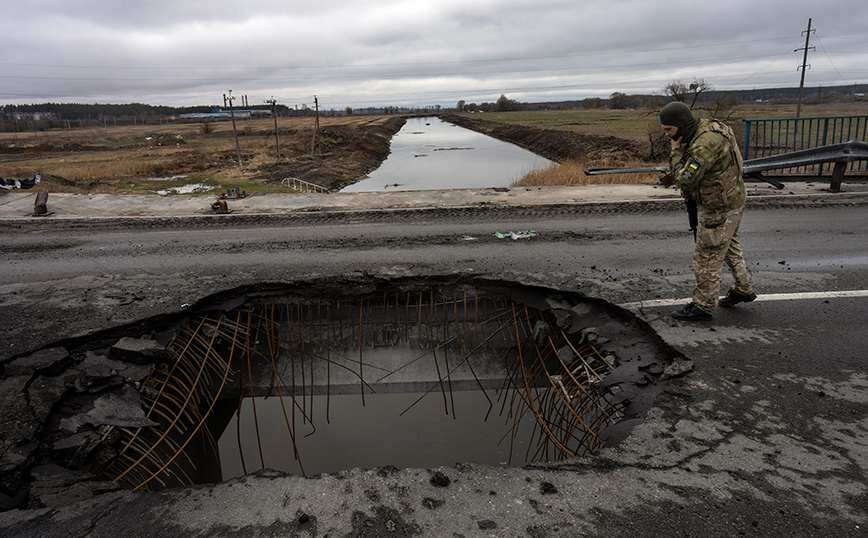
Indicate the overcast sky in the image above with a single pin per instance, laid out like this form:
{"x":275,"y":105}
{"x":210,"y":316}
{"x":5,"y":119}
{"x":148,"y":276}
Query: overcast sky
{"x":415,"y":52}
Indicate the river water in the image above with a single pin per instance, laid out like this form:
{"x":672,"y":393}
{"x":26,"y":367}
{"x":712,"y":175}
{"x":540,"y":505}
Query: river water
{"x":428,"y":153}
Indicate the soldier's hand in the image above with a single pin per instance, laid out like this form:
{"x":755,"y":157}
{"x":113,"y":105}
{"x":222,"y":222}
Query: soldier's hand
{"x":667,"y":180}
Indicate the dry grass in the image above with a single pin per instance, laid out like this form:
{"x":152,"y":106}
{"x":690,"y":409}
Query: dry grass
{"x":124,"y":160}
{"x":100,"y":166}
{"x":573,"y":173}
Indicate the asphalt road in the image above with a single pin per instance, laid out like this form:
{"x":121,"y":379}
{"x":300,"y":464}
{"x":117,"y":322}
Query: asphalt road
{"x":767,"y":436}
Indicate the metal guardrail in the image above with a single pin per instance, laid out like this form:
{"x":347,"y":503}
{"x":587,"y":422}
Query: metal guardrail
{"x":841,"y":155}
{"x":769,"y":137}
{"x":303,"y":186}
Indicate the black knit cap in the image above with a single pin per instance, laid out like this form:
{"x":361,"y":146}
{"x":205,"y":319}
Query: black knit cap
{"x":677,"y":114}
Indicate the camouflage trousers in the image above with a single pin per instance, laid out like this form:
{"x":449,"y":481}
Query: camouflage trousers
{"x":716,"y":244}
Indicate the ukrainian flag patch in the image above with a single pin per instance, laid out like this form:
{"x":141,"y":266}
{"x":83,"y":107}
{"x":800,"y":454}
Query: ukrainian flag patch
{"x":691,"y":169}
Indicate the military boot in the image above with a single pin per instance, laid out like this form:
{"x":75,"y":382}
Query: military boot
{"x":733,"y":298}
{"x":691,"y":312}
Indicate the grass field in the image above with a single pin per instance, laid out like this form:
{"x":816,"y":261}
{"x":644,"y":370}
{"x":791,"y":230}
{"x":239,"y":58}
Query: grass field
{"x":151,"y":158}
{"x":642,"y":125}
{"x":634,"y":123}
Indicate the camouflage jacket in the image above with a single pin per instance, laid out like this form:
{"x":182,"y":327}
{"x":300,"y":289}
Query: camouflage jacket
{"x":709,"y":169}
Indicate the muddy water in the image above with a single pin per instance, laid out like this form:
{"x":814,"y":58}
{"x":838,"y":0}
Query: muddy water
{"x":428,"y":153}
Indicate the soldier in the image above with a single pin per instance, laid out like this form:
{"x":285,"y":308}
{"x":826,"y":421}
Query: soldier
{"x":706,"y":164}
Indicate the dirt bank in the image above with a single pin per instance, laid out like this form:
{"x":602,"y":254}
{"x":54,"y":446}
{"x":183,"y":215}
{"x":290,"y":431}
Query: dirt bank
{"x":556,"y":144}
{"x":128,"y":160}
{"x":344,"y":153}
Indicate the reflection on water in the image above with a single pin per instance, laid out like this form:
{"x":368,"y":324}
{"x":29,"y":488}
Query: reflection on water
{"x":375,"y":435}
{"x":428,"y":153}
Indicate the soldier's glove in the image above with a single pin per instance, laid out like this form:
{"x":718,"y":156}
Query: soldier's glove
{"x":667,"y":180}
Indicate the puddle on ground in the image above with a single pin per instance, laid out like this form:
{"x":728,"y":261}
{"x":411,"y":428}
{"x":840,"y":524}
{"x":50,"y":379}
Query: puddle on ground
{"x":191,"y":188}
{"x":165,"y":178}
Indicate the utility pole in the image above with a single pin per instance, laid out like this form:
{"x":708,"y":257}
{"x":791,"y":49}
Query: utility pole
{"x":234,"y":129}
{"x":804,"y":66}
{"x":273,"y":104}
{"x":315,"y":124}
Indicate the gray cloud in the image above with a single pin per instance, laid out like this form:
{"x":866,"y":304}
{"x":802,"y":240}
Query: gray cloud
{"x":415,"y":52}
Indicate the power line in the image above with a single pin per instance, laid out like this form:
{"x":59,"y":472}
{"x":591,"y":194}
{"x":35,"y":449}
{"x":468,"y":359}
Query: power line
{"x":830,"y":60}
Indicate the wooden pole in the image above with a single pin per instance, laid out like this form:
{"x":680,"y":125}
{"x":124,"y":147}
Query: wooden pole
{"x":273,"y":104}
{"x":234,"y":129}
{"x":315,"y":125}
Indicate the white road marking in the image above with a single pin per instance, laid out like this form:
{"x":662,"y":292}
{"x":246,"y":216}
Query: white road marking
{"x":761,"y":297}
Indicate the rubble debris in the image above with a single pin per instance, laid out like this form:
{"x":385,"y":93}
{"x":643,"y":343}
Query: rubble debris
{"x":54,"y":409}
{"x":515,"y":235}
{"x":676,"y":369}
{"x":234,"y":194}
{"x":220,"y":206}
{"x":119,"y":406}
{"x":40,"y":207}
{"x":139,"y":351}
{"x":9,"y":184}
{"x":40,"y":360}
{"x":55,"y":486}
{"x":165,"y":140}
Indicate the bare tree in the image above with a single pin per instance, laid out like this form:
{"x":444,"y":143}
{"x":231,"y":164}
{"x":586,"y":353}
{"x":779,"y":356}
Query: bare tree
{"x":722,"y":106}
{"x":687,"y":93}
{"x":618,"y":101}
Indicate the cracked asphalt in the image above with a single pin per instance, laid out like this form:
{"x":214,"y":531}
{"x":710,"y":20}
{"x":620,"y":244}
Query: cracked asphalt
{"x":766,"y":435}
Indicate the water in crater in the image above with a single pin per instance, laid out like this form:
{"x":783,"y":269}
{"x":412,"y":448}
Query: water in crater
{"x":413,"y":429}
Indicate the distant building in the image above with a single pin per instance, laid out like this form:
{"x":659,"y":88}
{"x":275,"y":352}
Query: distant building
{"x":33,"y":115}
{"x":220,"y":114}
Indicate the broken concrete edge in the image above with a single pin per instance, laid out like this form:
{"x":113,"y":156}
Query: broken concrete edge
{"x":208,"y":218}
{"x":75,"y":391}
{"x":61,"y":411}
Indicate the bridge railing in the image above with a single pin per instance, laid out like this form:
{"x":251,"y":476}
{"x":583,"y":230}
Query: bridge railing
{"x":768,"y":137}
{"x":304,"y":186}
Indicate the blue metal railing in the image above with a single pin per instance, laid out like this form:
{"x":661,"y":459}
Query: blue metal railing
{"x":765,"y":137}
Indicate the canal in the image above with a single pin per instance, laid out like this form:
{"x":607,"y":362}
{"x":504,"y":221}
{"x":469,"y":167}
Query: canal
{"x":428,"y":153}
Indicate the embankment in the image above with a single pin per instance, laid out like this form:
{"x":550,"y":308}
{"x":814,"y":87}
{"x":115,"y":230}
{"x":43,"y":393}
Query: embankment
{"x":558,"y":145}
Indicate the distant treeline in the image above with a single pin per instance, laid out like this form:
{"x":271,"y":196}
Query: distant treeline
{"x":620,"y":100}
{"x":72,"y":115}
{"x":81,"y":111}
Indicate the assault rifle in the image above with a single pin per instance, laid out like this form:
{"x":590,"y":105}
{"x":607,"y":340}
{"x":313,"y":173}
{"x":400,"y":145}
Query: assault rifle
{"x":667,"y":181}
